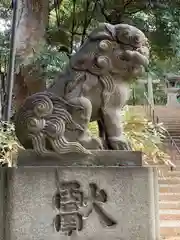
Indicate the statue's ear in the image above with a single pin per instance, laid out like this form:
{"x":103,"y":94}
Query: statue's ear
{"x":101,"y":33}
{"x":111,"y":29}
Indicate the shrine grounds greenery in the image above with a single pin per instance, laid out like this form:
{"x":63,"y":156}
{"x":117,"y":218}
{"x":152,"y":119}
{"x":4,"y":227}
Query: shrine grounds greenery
{"x":143,"y":135}
{"x":9,"y":144}
{"x":69,"y":22}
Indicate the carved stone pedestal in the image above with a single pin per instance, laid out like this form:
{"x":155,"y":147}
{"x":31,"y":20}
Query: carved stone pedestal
{"x":79,"y":198}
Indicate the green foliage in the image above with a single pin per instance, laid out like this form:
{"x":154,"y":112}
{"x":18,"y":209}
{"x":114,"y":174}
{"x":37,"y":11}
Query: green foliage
{"x":159,"y":21}
{"x":143,"y":135}
{"x":137,"y":94}
{"x":8,"y":144}
{"x":53,"y":61}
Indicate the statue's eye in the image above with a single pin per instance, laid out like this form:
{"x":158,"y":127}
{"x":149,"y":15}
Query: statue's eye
{"x":126,"y":34}
{"x":123,"y":35}
{"x":136,"y":38}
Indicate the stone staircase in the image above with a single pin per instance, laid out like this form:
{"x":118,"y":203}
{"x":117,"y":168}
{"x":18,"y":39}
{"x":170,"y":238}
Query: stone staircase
{"x":169,"y":181}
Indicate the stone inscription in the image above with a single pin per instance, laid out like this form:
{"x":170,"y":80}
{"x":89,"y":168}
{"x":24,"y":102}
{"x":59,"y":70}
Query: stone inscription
{"x":74,"y":207}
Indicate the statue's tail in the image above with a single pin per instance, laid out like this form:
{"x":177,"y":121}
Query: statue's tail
{"x":41,"y":123}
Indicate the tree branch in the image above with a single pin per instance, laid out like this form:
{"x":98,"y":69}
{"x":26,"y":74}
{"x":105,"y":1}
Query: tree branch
{"x":93,"y":11}
{"x":134,"y":12}
{"x":127,"y":3}
{"x":101,"y":4}
{"x":73,"y":25}
{"x":55,"y":4}
{"x":86,"y":21}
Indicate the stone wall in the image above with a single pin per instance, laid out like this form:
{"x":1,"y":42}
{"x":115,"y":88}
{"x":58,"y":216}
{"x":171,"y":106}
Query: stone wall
{"x":80,"y":198}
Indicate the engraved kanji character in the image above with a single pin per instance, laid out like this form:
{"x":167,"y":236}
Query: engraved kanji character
{"x":68,"y":200}
{"x":95,"y":201}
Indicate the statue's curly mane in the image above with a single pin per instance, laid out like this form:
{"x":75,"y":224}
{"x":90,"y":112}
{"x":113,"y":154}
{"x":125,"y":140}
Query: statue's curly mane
{"x":42,"y":121}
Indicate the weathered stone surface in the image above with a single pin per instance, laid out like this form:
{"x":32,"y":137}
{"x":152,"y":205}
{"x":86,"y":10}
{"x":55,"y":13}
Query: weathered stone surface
{"x":3,"y":182}
{"x":172,"y":90}
{"x":125,"y":195}
{"x":98,"y":158}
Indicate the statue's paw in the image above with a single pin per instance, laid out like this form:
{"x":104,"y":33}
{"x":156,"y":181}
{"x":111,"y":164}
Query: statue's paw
{"x":90,"y":142}
{"x":120,"y":144}
{"x":93,"y":144}
{"x":97,"y":143}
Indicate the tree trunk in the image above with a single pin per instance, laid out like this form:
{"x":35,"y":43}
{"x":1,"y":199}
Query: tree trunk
{"x":30,"y":41}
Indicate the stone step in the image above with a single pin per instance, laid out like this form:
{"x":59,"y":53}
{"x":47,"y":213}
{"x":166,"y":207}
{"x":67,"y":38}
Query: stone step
{"x":171,"y":149}
{"x":175,"y":172}
{"x":170,"y":238}
{"x":168,"y":143}
{"x":178,"y":137}
{"x":167,"y":214}
{"x":176,"y":162}
{"x":169,"y":188}
{"x":163,"y":109}
{"x":167,"y":110}
{"x":171,"y":124}
{"x":169,"y":180}
{"x":172,"y":120}
{"x":169,"y":205}
{"x":174,"y":134}
{"x":169,"y":217}
{"x":177,"y":168}
{"x":169,"y":229}
{"x":169,"y":196}
{"x":175,"y":138}
{"x":164,"y":115}
{"x":172,"y":152}
{"x":172,"y":127}
{"x":173,"y":117}
{"x":173,"y":130}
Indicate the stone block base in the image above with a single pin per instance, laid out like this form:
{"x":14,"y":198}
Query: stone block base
{"x":79,"y":201}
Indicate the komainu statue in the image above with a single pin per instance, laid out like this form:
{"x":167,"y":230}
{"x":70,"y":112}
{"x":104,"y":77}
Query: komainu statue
{"x":93,"y":87}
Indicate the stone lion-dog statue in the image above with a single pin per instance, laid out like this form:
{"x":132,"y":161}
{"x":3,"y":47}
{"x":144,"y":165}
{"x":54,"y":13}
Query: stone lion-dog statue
{"x":93,"y":87}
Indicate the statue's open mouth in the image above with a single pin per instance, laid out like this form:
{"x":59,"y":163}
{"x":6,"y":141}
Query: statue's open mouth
{"x":144,"y":51}
{"x":135,"y":43}
{"x":143,"y":54}
{"x":139,"y":56}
